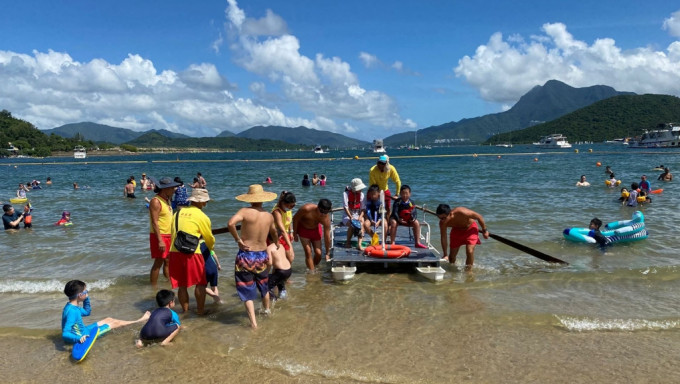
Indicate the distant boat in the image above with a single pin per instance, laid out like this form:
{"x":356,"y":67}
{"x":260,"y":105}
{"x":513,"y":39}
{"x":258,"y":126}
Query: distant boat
{"x":79,"y":152}
{"x":623,"y":141}
{"x":556,"y":140}
{"x":378,"y":146}
{"x":506,"y":145}
{"x":660,"y":138}
{"x":319,"y":149}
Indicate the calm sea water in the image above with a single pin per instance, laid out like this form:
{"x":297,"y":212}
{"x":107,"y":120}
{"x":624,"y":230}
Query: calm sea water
{"x":608,"y":316}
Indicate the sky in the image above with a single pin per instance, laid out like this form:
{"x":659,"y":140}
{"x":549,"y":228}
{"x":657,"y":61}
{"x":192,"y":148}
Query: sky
{"x":364,"y":69}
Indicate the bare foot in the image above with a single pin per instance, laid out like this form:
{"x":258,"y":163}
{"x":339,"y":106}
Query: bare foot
{"x":217,"y":300}
{"x":139,"y":343}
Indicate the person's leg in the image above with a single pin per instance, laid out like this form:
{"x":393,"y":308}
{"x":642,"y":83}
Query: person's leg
{"x":155,"y":270}
{"x":307,"y":247}
{"x":265,"y":302}
{"x":116,"y":323}
{"x":317,"y":252}
{"x":214,"y":293}
{"x":199,"y":295}
{"x":393,"y":231}
{"x":250,"y":309}
{"x":183,"y":296}
{"x":453,"y":251}
{"x":416,"y":233}
{"x":166,"y":269}
{"x":470,"y":256}
{"x":350,"y":232}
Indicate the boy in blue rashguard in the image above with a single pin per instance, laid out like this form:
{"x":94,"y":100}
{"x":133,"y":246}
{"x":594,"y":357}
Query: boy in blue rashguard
{"x":73,"y":330}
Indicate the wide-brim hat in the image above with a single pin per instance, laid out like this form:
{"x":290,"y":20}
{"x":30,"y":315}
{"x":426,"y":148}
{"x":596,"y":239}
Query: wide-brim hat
{"x":256,"y":194}
{"x":165,"y":182}
{"x":357,"y":185}
{"x":199,"y":195}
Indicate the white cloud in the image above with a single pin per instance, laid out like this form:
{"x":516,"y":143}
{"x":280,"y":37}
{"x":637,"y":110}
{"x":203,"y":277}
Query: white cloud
{"x":504,"y":70}
{"x":50,"y":89}
{"x":672,"y":24}
{"x":369,"y":61}
{"x":325,"y":87}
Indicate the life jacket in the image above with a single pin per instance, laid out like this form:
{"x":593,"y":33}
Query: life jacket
{"x":353,"y":200}
{"x":406,"y":211}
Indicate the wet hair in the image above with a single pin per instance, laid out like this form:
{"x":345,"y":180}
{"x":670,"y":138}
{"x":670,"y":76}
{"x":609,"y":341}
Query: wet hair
{"x":322,"y":177}
{"x":597,"y":222}
{"x":198,"y":173}
{"x":582,"y":176}
{"x":129,"y":181}
{"x":164,"y":297}
{"x":178,"y":180}
{"x":405,"y":186}
{"x":6,"y":208}
{"x":73,"y":288}
{"x":305,"y":177}
{"x":443,"y":209}
{"x":325,"y":205}
{"x":634,"y":186}
{"x":611,"y":174}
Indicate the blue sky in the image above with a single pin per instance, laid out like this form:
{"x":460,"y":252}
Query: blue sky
{"x":366,"y":69}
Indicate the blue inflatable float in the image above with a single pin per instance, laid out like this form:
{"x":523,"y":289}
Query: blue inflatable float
{"x":615,"y":232}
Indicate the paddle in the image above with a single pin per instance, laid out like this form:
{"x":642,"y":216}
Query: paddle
{"x":515,"y":245}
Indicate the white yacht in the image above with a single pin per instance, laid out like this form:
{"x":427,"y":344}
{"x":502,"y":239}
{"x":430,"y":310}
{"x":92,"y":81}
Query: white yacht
{"x":660,"y":138}
{"x":378,"y":146}
{"x":319,"y":149}
{"x":79,"y":152}
{"x":556,"y":140}
{"x":623,"y":141}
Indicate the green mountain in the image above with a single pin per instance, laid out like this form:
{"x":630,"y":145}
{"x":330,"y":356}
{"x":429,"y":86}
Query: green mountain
{"x":303,"y":136}
{"x":157,"y":140}
{"x":616,"y":117}
{"x":105,"y":133}
{"x":28,"y":140}
{"x":541,"y":104}
{"x":226,"y":134}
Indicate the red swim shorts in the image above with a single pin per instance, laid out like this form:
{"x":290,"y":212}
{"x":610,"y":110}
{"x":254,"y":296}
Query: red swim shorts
{"x":311,"y":234}
{"x":282,"y":241}
{"x":467,"y":236}
{"x":153,"y":245}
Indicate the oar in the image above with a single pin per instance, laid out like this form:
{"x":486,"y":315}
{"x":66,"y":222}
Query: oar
{"x":515,"y":245}
{"x":218,"y":231}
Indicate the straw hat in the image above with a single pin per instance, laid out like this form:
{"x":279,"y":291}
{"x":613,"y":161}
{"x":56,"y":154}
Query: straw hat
{"x":199,"y":195}
{"x":256,"y":195}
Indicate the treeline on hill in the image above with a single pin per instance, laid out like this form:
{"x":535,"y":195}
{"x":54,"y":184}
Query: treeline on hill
{"x":156,"y":140}
{"x":616,"y":117}
{"x":30,"y":141}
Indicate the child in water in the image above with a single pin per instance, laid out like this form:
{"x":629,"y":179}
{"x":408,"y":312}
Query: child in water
{"x":163,"y":324}
{"x":65,"y":219}
{"x":28,"y":218}
{"x":595,"y":233}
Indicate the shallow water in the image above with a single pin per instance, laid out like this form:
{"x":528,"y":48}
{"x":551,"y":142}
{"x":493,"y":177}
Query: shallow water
{"x":608,"y":316}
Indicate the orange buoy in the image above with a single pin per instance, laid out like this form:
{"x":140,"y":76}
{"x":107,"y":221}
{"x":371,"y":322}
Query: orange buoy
{"x":393,"y":251}
{"x":598,"y":164}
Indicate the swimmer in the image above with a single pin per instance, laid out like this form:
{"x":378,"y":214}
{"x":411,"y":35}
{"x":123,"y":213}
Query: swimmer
{"x":582,"y":182}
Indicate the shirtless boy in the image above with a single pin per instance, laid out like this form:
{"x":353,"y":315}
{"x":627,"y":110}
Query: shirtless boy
{"x":281,"y":271}
{"x":464,"y":231}
{"x":307,"y":224}
{"x":252,"y":260}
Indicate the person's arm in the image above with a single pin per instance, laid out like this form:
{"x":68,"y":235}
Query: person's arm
{"x":274,"y":234}
{"x":237,"y":218}
{"x":154,"y":213}
{"x":18,"y":220}
{"x":67,"y":332}
{"x":278,"y":222}
{"x":296,"y":221}
{"x":444,"y":239}
{"x":205,"y":226}
{"x":482,"y":224}
{"x":394,"y":175}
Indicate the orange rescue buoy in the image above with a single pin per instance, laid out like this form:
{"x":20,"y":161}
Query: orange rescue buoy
{"x":393,"y":251}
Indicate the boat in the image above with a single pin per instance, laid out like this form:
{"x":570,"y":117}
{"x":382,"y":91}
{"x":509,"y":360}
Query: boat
{"x":556,"y":140}
{"x":623,"y":141}
{"x":504,"y":145}
{"x":347,"y":262}
{"x":669,"y":137}
{"x":378,"y":146}
{"x":79,"y":152}
{"x":319,"y":149}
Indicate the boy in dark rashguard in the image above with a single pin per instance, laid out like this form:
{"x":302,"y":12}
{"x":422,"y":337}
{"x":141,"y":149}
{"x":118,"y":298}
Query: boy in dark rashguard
{"x":163,"y":324}
{"x":595,"y":233}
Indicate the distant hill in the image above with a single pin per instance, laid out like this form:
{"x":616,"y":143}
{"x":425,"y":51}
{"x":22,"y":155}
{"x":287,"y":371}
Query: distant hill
{"x":226,"y":133}
{"x":541,"y":104}
{"x":156,"y":140}
{"x":616,"y":117}
{"x":302,"y":135}
{"x":104,"y":133}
